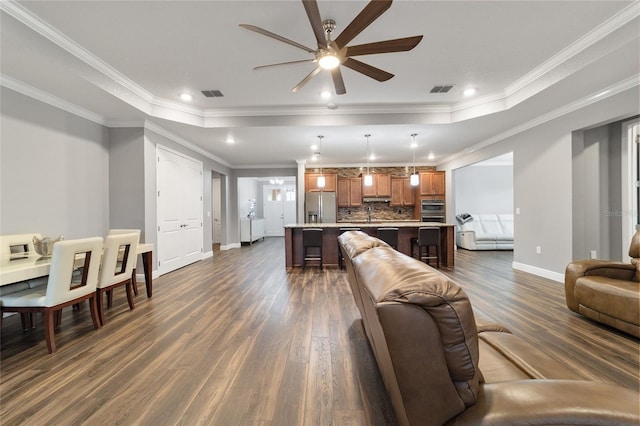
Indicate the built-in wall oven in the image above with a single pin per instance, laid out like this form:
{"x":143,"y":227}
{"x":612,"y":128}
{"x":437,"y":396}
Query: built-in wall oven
{"x":432,"y":211}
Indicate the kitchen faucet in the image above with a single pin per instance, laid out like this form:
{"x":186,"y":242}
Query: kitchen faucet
{"x":369,"y":214}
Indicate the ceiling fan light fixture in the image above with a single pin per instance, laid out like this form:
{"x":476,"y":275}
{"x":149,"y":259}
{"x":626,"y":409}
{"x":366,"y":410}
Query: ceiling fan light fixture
{"x":328,"y":61}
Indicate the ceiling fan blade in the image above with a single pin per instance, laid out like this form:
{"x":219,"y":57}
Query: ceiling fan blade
{"x":284,"y":63}
{"x":313,"y":13}
{"x":387,"y":46}
{"x":306,"y":79}
{"x":338,"y":82}
{"x":276,"y":36}
{"x":370,"y":13}
{"x":366,"y":69}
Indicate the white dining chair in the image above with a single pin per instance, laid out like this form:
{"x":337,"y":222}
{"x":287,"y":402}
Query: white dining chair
{"x":64,"y":288}
{"x":134,"y":282}
{"x":118,"y":259}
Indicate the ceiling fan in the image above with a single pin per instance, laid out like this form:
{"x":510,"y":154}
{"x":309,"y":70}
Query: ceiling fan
{"x":330,"y":54}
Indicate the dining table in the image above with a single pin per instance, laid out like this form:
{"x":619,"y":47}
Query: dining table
{"x":28,"y":266}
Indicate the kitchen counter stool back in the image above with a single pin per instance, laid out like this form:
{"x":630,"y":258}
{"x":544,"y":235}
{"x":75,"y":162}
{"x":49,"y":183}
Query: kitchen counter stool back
{"x":389,"y":236}
{"x":311,"y":246}
{"x":428,"y":237}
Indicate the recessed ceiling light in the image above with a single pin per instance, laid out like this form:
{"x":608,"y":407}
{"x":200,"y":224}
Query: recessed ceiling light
{"x":431,"y":156}
{"x":372,"y":156}
{"x":186,"y":97}
{"x":314,"y":147}
{"x":414,"y":144}
{"x":326,"y":94}
{"x":470,"y":91}
{"x":230,"y":140}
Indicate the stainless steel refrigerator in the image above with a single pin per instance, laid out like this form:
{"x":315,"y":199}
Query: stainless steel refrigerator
{"x":320,"y":207}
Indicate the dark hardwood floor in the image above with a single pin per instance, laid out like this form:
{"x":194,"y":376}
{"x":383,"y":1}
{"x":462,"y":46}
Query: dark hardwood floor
{"x":239,"y":340}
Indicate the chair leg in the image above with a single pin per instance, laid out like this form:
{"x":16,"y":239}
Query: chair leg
{"x":100,"y":305}
{"x":49,"y":330}
{"x":109,"y":298}
{"x":134,"y":282}
{"x":129,"y":288}
{"x":57,"y":315}
{"x":93,"y":307}
{"x":25,"y":318}
{"x":321,"y":258}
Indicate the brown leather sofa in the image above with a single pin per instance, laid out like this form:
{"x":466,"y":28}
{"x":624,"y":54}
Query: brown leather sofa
{"x":440,"y":367}
{"x":606,"y":291}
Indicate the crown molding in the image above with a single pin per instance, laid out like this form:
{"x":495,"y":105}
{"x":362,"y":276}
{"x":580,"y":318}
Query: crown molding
{"x":525,"y":87}
{"x":155,"y":128}
{"x":47,"y":98}
{"x":592,"y":98}
{"x":598,"y":33}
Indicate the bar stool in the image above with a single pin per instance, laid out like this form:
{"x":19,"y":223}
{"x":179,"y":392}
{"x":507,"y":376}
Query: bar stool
{"x":427,"y":238}
{"x":340,"y":257}
{"x":389,"y":236}
{"x":311,"y":245}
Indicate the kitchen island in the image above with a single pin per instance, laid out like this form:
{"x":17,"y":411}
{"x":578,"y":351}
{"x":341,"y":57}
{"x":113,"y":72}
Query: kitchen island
{"x":407,"y":230}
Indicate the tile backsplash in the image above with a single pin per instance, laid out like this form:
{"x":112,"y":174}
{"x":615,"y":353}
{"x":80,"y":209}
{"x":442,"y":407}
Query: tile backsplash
{"x":379,"y":211}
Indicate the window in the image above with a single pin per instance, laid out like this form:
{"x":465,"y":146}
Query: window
{"x":274,"y":194}
{"x":290,"y":194}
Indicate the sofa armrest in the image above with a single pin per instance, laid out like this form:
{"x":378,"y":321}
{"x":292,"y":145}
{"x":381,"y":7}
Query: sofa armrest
{"x":552,"y":402}
{"x":603,"y":268}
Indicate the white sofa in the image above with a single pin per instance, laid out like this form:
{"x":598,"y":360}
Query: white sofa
{"x":486,"y":232}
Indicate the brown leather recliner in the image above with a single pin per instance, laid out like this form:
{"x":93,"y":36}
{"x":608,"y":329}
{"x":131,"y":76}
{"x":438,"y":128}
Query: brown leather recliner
{"x":439,"y":367}
{"x":607,"y":291}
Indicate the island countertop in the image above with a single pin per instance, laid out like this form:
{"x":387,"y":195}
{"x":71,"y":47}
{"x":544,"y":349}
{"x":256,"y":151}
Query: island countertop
{"x":372,"y":224}
{"x":407,"y":230}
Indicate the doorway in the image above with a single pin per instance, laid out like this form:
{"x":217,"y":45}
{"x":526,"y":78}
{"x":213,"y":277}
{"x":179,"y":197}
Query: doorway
{"x":630,"y":182}
{"x":216,"y":213}
{"x":279,"y":203}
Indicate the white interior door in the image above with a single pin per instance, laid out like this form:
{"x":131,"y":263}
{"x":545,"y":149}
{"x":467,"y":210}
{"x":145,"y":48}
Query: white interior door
{"x":179,"y":182}
{"x":273,"y":211}
{"x":279,"y":203}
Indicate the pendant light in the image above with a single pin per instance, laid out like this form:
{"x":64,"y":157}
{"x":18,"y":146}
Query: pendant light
{"x":414,"y":180}
{"x":368,"y":179}
{"x":321,"y":180}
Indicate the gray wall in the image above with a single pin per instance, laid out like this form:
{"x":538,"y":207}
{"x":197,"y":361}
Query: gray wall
{"x":126,"y":179}
{"x":483,"y":189}
{"x":54,"y":169}
{"x":543,"y":178}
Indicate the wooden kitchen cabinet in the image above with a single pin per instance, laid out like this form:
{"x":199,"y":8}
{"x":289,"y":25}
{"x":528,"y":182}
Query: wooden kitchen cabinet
{"x":432,"y":183}
{"x":402,"y":193}
{"x":381,"y":186}
{"x":311,"y":182}
{"x":350,"y":192}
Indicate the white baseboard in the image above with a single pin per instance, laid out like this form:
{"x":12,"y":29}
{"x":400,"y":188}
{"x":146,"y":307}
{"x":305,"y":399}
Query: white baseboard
{"x":555,"y":276}
{"x":230,"y":246}
{"x":207,"y":254}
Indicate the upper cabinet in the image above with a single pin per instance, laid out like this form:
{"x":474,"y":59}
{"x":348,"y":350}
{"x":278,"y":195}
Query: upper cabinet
{"x":432,"y":183}
{"x":381,"y":186}
{"x":311,"y":182}
{"x":402,"y":193}
{"x":350,"y":192}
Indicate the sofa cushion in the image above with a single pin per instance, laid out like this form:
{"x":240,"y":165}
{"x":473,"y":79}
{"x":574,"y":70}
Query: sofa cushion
{"x":616,"y":298}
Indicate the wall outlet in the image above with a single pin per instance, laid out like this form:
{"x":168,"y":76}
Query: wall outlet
{"x":517,"y":210}
{"x":593,"y":254}
{"x":538,"y":250}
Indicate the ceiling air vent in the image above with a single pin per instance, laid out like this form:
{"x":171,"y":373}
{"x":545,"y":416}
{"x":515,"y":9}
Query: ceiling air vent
{"x":443,"y":88}
{"x":212,"y":93}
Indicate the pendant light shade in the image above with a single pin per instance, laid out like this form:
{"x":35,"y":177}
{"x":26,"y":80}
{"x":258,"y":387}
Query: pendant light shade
{"x":321,"y":182}
{"x":368,"y":179}
{"x":414,"y":180}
